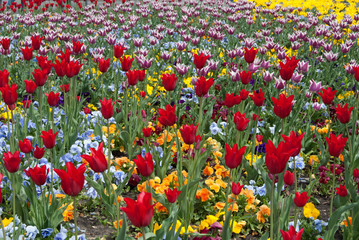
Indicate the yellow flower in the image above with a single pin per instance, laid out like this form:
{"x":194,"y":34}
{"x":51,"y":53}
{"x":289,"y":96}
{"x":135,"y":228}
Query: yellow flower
{"x":313,"y":159}
{"x":309,"y":210}
{"x":183,"y":229}
{"x":7,"y":221}
{"x":237,"y":226}
{"x":206,"y":223}
{"x":249,"y":158}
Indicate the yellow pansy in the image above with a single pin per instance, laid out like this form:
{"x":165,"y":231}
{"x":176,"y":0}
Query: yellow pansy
{"x":309,"y":210}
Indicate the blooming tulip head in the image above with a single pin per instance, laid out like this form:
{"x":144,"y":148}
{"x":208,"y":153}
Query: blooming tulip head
{"x":72,"y":180}
{"x":139,"y":212}
{"x":301,"y":199}
{"x":48,"y":138}
{"x":144,"y":165}
{"x":97,"y":160}
{"x":188,"y":133}
{"x":292,"y":234}
{"x":37,"y":174}
{"x":336,"y":144}
{"x":172,"y":195}
{"x":12,"y":161}
{"x":234,"y":156}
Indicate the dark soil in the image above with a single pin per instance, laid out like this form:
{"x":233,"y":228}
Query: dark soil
{"x":94,"y":228}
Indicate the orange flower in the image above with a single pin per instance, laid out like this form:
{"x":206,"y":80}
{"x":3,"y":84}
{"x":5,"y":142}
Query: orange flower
{"x":346,"y":223}
{"x":68,"y":213}
{"x":208,"y":171}
{"x":160,"y":208}
{"x":204,"y":194}
{"x":264,"y":211}
{"x":115,"y":224}
{"x":161,"y":139}
{"x":219,"y":205}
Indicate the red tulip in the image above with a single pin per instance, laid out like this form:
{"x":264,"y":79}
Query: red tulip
{"x":288,"y":178}
{"x":144,"y":165}
{"x":26,"y":103}
{"x":258,"y":98}
{"x":169,"y":81}
{"x":9,"y":94}
{"x":132,"y":77}
{"x":5,"y":42}
{"x":44,"y":63}
{"x":244,"y":94}
{"x":118,"y":50}
{"x":200,"y":60}
{"x":76,"y":47}
{"x":40,"y":77}
{"x":188,"y":133}
{"x":172,"y":195}
{"x":141,"y":74}
{"x":48,"y":138}
{"x":234,"y":156}
{"x":52,"y":98}
{"x":276,"y":158}
{"x":25,"y":145}
{"x":126,"y":63}
{"x":250,"y":54}
{"x":282,"y":105}
{"x":236,"y":188}
{"x":12,"y":161}
{"x":30,"y":86}
{"x":97,"y":160}
{"x":72,"y":69}
{"x":246,"y":77}
{"x":107,"y":108}
{"x":38,"y":174}
{"x":356,"y":73}
{"x":342,"y":191}
{"x":38,"y":152}
{"x":139,"y":212}
{"x":203,"y":86}
{"x":27,"y":53}
{"x":168,"y":117}
{"x":60,"y":68}
{"x":241,"y":121}
{"x":286,"y":70}
{"x":103,"y":64}
{"x":336,"y":144}
{"x":327,"y":95}
{"x":72,"y":180}
{"x":65,"y":87}
{"x":147,"y":132}
{"x":343,"y":113}
{"x":4,"y":78}
{"x":65,"y":56}
{"x":292,"y":234}
{"x":36,"y":42}
{"x":231,"y":100}
{"x":301,"y":199}
{"x":294,"y":141}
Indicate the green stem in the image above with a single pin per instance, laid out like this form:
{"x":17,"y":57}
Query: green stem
{"x":3,"y":228}
{"x":295,"y":216}
{"x":295,"y":176}
{"x":8,"y":127}
{"x":272,"y":211}
{"x":333,"y":190}
{"x":143,"y":233}
{"x":150,"y":190}
{"x":254,"y":136}
{"x":13,"y":204}
{"x":109,"y":145}
{"x":200,"y":115}
{"x":75,"y":218}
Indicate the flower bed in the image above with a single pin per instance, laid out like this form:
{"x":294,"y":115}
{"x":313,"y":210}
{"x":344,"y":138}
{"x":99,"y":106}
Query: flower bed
{"x":179,"y":120}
